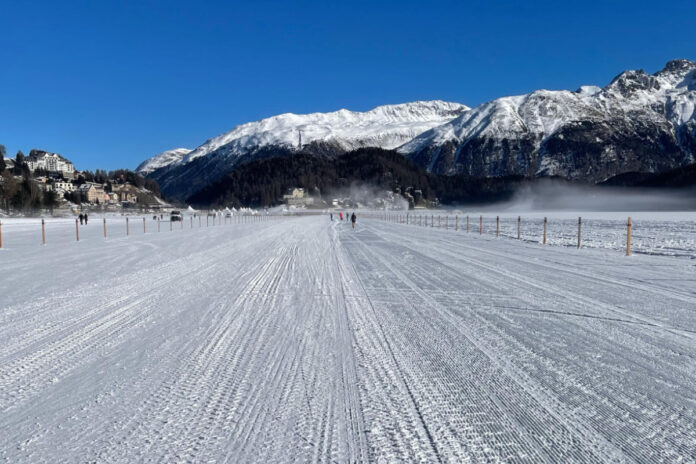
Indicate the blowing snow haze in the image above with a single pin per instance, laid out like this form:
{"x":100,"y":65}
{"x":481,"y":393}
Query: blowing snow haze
{"x":558,"y":195}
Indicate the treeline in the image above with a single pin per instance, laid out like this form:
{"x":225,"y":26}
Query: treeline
{"x":20,"y":191}
{"x":680,"y":178}
{"x":262,"y":183}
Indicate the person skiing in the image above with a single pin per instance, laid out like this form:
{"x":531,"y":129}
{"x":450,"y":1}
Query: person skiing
{"x":353,"y":218}
{"x":340,"y":216}
{"x":82,"y":218}
{"x":331,"y":216}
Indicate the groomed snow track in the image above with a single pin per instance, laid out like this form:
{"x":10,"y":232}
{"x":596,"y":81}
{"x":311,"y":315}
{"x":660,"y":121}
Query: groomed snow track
{"x":301,"y":340}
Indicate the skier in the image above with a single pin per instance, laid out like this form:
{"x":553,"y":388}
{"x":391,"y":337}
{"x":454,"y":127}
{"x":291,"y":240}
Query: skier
{"x":331,"y":216}
{"x":85,"y":218}
{"x":352,"y":219}
{"x":340,"y":216}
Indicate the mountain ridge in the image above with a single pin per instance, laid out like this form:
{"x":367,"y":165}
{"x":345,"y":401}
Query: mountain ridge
{"x":590,"y":134}
{"x":320,"y":134}
{"x":638,"y":122}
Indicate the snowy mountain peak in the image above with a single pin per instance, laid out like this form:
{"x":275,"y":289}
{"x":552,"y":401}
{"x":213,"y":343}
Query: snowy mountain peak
{"x":163,"y":159}
{"x":386,"y":126}
{"x":591,"y":134}
{"x":319,"y":134}
{"x":680,"y":66}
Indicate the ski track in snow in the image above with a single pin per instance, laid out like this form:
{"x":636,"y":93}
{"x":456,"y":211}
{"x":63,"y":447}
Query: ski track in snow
{"x":301,"y":340}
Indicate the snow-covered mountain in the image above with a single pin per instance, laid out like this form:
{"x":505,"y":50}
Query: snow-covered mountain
{"x":321,"y":134}
{"x":163,"y":159}
{"x":638,"y":123}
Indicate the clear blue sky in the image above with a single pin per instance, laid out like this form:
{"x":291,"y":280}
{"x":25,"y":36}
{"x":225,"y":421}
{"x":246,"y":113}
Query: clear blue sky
{"x":110,"y":83}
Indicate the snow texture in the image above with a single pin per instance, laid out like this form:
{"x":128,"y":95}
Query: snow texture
{"x":301,"y":340}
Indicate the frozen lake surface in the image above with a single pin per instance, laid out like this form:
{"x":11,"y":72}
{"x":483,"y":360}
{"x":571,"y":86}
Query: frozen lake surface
{"x":301,"y":340}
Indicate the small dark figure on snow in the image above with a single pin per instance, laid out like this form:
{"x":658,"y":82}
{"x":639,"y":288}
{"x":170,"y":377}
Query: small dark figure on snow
{"x":85,"y":218}
{"x":353,"y":218}
{"x":82,"y":218}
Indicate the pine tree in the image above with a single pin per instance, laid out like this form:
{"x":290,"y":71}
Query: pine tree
{"x":3,"y":152}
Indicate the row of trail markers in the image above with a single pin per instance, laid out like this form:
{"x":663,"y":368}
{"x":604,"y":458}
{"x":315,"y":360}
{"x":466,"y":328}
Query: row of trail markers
{"x":422,"y":220}
{"x":241,"y":219}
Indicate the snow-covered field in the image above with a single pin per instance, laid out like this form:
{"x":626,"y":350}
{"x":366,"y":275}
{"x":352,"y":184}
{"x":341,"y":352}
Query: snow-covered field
{"x":301,"y":340}
{"x":658,"y":233}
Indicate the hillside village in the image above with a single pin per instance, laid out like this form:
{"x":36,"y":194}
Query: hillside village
{"x":48,"y":181}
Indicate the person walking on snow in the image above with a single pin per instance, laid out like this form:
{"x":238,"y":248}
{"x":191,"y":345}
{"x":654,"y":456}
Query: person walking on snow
{"x":85,"y":218}
{"x":353,"y":218}
{"x":331,"y":216}
{"x":340,"y":215}
{"x":82,"y":218}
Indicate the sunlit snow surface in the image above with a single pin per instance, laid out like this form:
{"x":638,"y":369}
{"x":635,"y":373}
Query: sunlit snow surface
{"x":302,"y":340}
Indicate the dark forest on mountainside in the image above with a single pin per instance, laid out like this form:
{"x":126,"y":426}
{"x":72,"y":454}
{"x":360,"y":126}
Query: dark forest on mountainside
{"x":262,"y":183}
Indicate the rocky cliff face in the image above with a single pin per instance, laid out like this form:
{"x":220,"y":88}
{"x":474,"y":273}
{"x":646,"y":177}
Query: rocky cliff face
{"x":638,"y":123}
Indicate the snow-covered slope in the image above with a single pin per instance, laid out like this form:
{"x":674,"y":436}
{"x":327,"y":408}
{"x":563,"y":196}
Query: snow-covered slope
{"x":321,"y":134}
{"x":163,"y":159}
{"x":386,"y":126}
{"x":639,"y":122}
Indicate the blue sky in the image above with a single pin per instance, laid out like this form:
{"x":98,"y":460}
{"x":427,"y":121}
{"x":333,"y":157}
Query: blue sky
{"x":110,"y":83}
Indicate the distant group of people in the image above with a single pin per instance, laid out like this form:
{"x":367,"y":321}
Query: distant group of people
{"x":352,"y":217}
{"x":83,"y":218}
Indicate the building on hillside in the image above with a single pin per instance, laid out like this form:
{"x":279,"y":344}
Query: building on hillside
{"x":297,"y":197}
{"x":94,"y":193}
{"x":51,"y":162}
{"x":126,"y":193}
{"x":61,"y":186}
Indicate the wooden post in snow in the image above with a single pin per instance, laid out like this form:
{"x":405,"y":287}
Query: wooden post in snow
{"x":544,"y":242}
{"x":127,"y":227}
{"x":43,"y":232}
{"x":497,"y":226}
{"x":432,"y":221}
{"x":77,"y":231}
{"x":628,"y":236}
{"x":456,"y":223}
{"x":207,"y":220}
{"x":579,"y":229}
{"x":446,"y":222}
{"x":438,"y":221}
{"x":467,"y":223}
{"x":481,"y":225}
{"x":519,"y":223}
{"x":104,"y":227}
{"x":144,"y":227}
